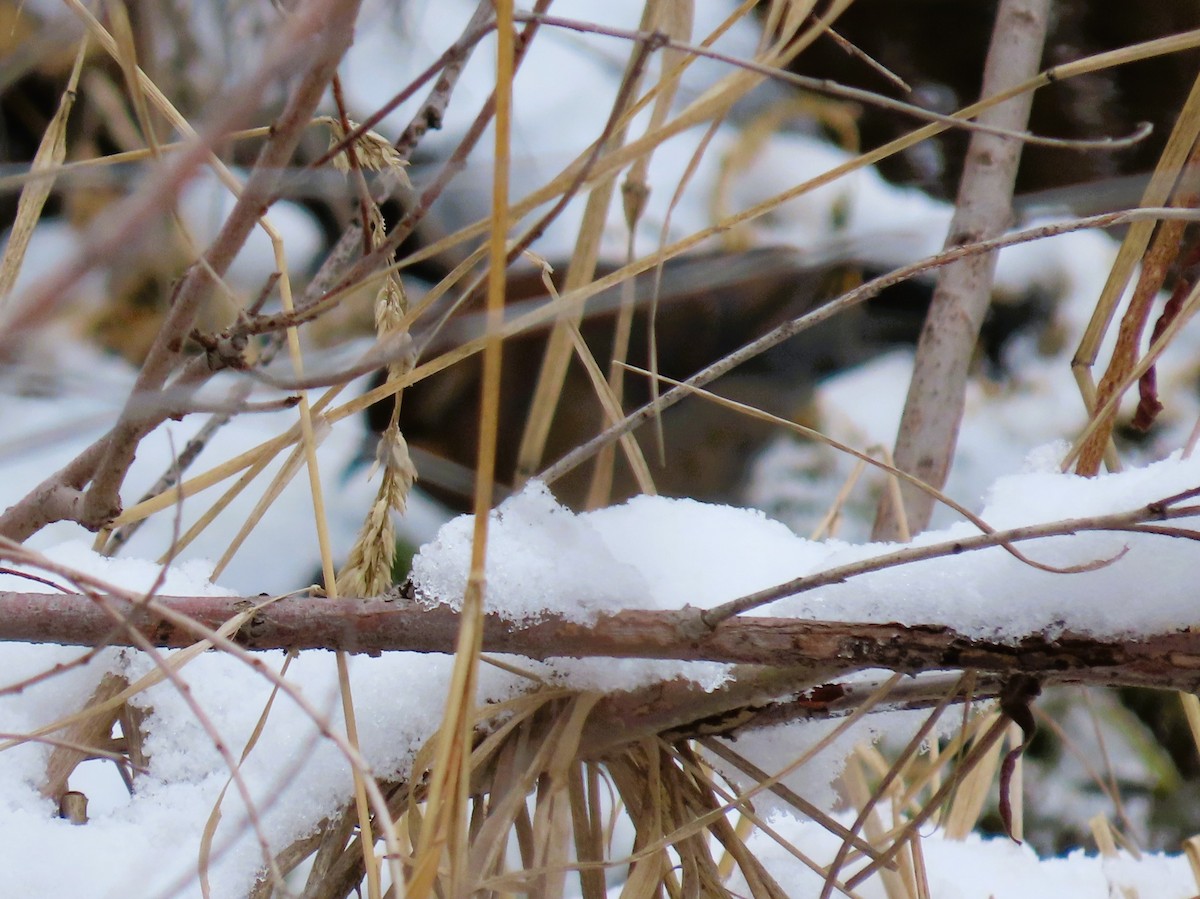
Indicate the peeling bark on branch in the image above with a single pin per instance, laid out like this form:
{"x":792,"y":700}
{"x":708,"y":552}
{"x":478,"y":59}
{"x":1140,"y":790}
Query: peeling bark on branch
{"x":823,"y":648}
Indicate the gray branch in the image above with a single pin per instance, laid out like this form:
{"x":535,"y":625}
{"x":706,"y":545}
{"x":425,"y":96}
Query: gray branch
{"x":933,"y":412}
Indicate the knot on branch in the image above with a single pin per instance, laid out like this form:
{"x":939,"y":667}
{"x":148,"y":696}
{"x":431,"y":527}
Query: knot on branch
{"x":226,"y":348}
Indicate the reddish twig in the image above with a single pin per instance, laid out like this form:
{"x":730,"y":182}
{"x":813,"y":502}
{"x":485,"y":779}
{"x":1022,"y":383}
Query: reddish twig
{"x":833,"y":648}
{"x":1149,"y":404}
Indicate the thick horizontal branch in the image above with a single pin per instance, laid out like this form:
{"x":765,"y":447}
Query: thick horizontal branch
{"x":1167,"y":660}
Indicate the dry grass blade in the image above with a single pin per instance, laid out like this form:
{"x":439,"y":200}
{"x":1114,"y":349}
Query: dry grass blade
{"x":214,"y":818}
{"x":449,"y":781}
{"x":588,"y":828}
{"x":973,"y":786}
{"x":122,"y":32}
{"x":895,"y":881}
{"x":1102,"y":413}
{"x":1095,"y":445}
{"x":802,"y":805}
{"x":309,"y":446}
{"x":50,"y":154}
{"x":524,"y":795}
{"x":553,"y":816}
{"x":610,"y":400}
{"x":890,"y":778}
{"x":582,"y":269}
{"x":289,"y":470}
{"x":865,"y":459}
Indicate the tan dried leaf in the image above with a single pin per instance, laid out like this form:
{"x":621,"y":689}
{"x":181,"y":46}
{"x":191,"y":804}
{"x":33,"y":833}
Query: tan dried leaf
{"x":49,"y":156}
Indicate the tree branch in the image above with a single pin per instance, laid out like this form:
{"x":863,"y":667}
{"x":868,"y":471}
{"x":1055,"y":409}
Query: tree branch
{"x":933,"y":411}
{"x":336,"y":32}
{"x":1169,"y":660}
{"x":320,"y":32}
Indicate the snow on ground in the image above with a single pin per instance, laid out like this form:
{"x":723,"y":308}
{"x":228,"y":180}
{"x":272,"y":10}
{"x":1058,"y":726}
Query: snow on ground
{"x":86,"y":391}
{"x":665,"y":553}
{"x":649,"y":553}
{"x":979,"y":868}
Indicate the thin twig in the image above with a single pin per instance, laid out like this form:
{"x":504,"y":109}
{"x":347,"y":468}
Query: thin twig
{"x":834,"y":89}
{"x":102,"y":502}
{"x":325,"y":29}
{"x":795,"y":326}
{"x":384,"y":624}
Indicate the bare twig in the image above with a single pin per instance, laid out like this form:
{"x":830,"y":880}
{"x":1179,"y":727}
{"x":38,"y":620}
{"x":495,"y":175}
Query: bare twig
{"x":301,"y":41}
{"x":191,"y":451}
{"x":335,"y":25}
{"x":113,"y":603}
{"x":452,"y":62}
{"x":373,"y":625}
{"x":984,"y":125}
{"x":795,"y":326}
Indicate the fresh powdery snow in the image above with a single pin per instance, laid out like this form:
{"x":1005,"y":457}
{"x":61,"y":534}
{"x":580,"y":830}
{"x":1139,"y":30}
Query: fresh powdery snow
{"x":659,"y":553}
{"x":648,"y":553}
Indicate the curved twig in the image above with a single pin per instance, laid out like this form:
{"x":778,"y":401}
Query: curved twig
{"x":835,"y":89}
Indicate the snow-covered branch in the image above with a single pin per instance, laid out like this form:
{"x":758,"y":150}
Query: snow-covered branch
{"x":373,"y":625}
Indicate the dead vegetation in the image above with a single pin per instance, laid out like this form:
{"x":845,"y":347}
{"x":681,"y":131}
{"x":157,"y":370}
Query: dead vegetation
{"x":526,"y":796}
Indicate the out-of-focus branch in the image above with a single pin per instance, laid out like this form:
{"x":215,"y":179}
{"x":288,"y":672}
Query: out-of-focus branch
{"x":791,"y":328}
{"x":319,"y":33}
{"x":336,"y":31}
{"x":933,"y":412}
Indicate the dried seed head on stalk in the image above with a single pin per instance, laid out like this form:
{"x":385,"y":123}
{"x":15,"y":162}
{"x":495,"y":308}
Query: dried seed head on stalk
{"x":391,"y":303}
{"x":374,"y":151}
{"x":368,"y":571}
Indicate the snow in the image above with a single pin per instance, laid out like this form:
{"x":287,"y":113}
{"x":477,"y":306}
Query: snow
{"x":547,"y":86}
{"x":666,"y":553}
{"x":205,"y":203}
{"x":295,"y":777}
{"x":552,"y":128}
{"x":649,"y":553}
{"x":541,"y":554}
{"x":87,"y":389}
{"x":979,"y":868}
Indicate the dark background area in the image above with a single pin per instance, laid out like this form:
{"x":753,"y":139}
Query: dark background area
{"x":937,"y":47}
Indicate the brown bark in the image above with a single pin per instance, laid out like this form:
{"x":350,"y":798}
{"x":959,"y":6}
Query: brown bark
{"x":824,"y":649}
